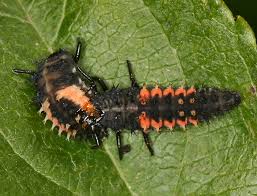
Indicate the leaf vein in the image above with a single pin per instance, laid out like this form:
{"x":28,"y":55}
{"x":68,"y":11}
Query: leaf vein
{"x":61,"y":21}
{"x":30,"y":21}
{"x":122,"y":176}
{"x":169,"y":41}
{"x":25,"y":160}
{"x":13,"y":17}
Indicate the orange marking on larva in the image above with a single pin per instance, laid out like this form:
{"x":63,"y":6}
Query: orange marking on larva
{"x":193,"y":121}
{"x":77,"y":96}
{"x":180,"y":91}
{"x":193,"y":112}
{"x":156,"y":125}
{"x":144,"y":95}
{"x":182,"y":123}
{"x":45,"y":107}
{"x":191,"y":91}
{"x":90,"y":109}
{"x":191,"y":100}
{"x":180,"y":101}
{"x":169,"y":124}
{"x":63,"y":127}
{"x":49,"y":116}
{"x":144,"y":121}
{"x":156,"y":91}
{"x":55,"y":122}
{"x":168,"y":91}
{"x":181,"y":113}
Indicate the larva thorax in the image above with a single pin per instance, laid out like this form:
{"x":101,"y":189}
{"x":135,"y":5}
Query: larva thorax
{"x":63,"y":96}
{"x":120,"y":107}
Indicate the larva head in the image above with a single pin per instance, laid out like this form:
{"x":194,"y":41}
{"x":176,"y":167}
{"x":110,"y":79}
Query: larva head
{"x":212,"y":101}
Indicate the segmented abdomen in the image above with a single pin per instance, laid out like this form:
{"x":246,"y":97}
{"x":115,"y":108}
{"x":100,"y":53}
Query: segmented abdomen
{"x":182,"y":106}
{"x":167,"y":107}
{"x":146,"y":108}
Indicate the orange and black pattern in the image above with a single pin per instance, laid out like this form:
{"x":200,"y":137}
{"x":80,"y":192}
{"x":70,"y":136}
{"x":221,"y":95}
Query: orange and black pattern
{"x":155,"y":108}
{"x":64,"y":96}
{"x":182,"y":112}
{"x":70,"y":99}
{"x":145,"y":108}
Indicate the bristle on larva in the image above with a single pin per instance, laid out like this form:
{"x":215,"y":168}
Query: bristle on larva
{"x":48,"y":116}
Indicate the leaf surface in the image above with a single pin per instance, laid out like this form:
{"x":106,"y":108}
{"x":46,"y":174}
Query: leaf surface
{"x":176,"y":42}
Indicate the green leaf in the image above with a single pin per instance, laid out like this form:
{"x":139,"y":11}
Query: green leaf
{"x":177,"y":42}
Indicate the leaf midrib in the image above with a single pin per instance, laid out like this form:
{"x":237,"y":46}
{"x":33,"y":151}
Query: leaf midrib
{"x":50,"y":50}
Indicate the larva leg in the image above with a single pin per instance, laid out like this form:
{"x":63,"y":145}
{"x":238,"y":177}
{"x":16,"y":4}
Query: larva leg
{"x":131,"y":75}
{"x":22,"y":71}
{"x":97,"y":141}
{"x":92,"y":80}
{"x":148,"y":142}
{"x":101,"y":83}
{"x":96,"y":137}
{"x":76,"y":56}
{"x":122,"y":149}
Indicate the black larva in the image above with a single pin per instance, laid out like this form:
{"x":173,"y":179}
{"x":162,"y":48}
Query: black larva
{"x":70,"y":99}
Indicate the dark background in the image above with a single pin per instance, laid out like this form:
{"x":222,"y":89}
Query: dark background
{"x":245,"y":8}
